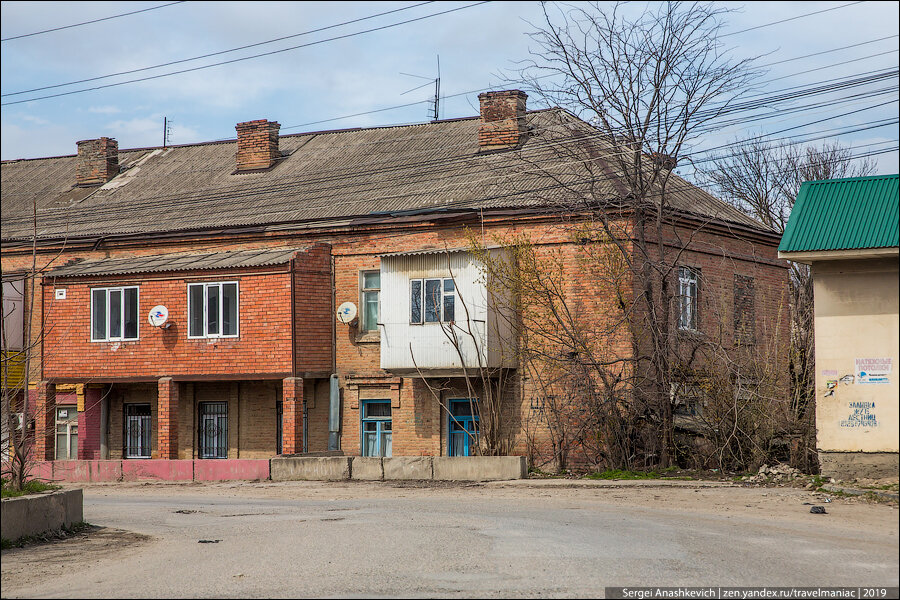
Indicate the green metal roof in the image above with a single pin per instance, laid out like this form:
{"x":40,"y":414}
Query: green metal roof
{"x":844,"y":214}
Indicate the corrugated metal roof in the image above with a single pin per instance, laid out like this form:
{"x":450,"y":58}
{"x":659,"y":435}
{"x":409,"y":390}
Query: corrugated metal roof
{"x":327,"y":176}
{"x":844,"y":214}
{"x":175,"y":262}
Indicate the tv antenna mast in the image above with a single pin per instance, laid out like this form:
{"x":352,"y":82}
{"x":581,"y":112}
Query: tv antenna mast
{"x":167,"y":131}
{"x":435,"y":109}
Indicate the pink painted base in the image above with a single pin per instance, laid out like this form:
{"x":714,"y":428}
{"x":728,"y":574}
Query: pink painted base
{"x":97,"y":471}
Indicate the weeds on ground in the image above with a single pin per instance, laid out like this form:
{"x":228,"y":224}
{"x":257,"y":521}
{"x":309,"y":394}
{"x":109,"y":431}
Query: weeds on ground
{"x":50,"y":536}
{"x":623,"y":474}
{"x":31,"y":487}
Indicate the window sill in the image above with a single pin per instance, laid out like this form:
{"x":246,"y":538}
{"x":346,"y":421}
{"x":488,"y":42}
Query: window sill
{"x":369,"y":337}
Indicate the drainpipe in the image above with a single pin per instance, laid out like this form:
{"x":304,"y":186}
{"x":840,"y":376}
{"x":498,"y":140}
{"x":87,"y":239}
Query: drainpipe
{"x":334,"y":414}
{"x":334,"y":391}
{"x":104,"y":425}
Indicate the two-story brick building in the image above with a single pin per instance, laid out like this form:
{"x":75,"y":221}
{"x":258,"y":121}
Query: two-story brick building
{"x":246,"y":249}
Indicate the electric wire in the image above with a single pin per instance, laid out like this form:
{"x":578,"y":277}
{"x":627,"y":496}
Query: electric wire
{"x":184,"y":60}
{"x":236,"y":60}
{"x":134,"y":12}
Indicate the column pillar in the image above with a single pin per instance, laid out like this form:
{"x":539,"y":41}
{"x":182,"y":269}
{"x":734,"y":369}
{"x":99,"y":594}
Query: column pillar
{"x":167,"y":419}
{"x":45,"y":421}
{"x":292,"y":416}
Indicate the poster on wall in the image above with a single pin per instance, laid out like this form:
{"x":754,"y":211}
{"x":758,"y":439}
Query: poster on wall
{"x":873,"y":370}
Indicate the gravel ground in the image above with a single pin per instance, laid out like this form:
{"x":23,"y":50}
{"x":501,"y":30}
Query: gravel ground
{"x":531,"y":538}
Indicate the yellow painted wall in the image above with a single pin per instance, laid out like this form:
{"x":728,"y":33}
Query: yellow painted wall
{"x":856,"y":308}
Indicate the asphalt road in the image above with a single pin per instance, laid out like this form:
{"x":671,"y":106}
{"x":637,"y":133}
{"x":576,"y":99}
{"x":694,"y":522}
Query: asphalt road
{"x":374,"y":540}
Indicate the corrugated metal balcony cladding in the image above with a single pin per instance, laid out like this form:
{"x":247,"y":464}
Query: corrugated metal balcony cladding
{"x":845,"y":214}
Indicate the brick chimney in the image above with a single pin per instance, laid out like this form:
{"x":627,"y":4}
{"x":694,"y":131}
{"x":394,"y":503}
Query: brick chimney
{"x":257,"y":144}
{"x":502,"y":119}
{"x":98,"y":161}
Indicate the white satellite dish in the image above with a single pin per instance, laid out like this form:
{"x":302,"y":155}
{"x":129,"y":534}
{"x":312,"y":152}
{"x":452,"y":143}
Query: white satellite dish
{"x":159,"y":314}
{"x":346,"y":313}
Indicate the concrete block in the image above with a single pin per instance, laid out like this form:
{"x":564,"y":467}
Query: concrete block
{"x":367,"y":468}
{"x":310,"y":468}
{"x":480,"y":468}
{"x":408,"y":467}
{"x":74,"y":501}
{"x":231,"y":469}
{"x":40,"y":513}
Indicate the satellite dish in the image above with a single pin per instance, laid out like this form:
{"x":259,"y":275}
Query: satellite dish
{"x":346,"y":313}
{"x":159,"y":314}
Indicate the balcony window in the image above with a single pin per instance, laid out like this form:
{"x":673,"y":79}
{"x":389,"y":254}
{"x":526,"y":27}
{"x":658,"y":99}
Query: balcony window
{"x":114,"y":314}
{"x":432,"y":301}
{"x":213,"y":310}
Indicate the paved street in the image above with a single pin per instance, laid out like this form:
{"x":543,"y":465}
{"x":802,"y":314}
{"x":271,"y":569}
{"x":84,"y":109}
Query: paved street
{"x":370,"y":539}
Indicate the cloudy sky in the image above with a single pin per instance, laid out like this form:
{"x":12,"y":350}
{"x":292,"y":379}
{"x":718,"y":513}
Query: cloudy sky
{"x":319,"y":86}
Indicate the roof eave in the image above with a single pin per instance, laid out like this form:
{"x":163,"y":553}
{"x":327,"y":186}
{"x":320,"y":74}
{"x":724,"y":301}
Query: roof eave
{"x":810,"y":256}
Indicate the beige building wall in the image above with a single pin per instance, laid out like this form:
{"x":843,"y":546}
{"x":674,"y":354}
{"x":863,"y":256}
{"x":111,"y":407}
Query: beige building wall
{"x":856,"y":317}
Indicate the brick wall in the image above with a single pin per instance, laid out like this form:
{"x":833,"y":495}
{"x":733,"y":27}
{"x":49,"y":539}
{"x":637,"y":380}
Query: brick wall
{"x":419,"y":421}
{"x":263,"y":345}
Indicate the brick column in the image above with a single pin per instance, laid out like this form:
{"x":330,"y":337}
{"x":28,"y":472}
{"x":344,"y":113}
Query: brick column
{"x":89,"y":425}
{"x":167,"y":419}
{"x":45,"y":421}
{"x":292,"y":416}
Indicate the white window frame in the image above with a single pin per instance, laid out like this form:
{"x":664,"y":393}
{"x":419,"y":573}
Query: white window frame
{"x":206,"y":285}
{"x":122,"y":337}
{"x":422,"y":280}
{"x":687,"y":276}
{"x":363,"y":290}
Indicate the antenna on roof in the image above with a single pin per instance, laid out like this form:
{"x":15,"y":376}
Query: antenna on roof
{"x":435,"y":109}
{"x":167,"y":131}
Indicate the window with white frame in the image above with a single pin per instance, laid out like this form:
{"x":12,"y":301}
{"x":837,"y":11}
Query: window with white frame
{"x":213,"y":310}
{"x":114,"y":314}
{"x":432,"y":301}
{"x":370,"y":289}
{"x":688,"y":298}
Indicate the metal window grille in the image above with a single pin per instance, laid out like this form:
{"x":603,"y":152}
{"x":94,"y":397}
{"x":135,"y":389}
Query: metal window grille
{"x":213,"y":430}
{"x":137,"y":431}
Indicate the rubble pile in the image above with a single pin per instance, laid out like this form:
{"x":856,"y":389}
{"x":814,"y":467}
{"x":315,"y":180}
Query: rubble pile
{"x":775,"y":473}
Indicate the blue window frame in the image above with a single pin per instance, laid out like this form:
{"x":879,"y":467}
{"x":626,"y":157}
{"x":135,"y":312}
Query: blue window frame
{"x":463,"y":427}
{"x":377,"y":435}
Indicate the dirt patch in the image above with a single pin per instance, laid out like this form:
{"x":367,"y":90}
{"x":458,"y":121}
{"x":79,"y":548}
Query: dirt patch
{"x":38,"y":561}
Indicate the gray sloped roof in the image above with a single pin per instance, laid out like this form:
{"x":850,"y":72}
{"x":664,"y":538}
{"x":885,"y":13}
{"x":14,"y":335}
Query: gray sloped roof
{"x":322,"y":176}
{"x":160,"y":263}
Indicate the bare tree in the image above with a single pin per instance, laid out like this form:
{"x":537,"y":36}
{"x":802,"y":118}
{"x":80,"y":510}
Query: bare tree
{"x":649,"y":85}
{"x":763,"y":180}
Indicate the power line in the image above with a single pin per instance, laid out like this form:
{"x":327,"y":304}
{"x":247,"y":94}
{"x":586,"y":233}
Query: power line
{"x":235,"y":60}
{"x":184,"y":60}
{"x":134,"y":12}
{"x":818,"y":12}
{"x":333,"y":175}
{"x":466,"y":93}
{"x":391,"y":170}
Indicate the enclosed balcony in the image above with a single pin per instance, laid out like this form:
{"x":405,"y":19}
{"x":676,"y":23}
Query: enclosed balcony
{"x":441,"y":315}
